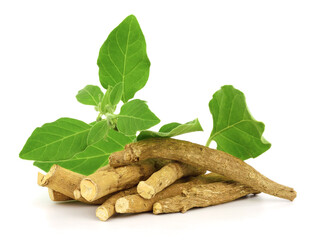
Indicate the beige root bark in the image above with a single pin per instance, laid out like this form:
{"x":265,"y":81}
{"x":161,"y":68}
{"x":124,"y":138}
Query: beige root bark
{"x":107,"y":209}
{"x":203,"y":157}
{"x":165,"y":177}
{"x":136,"y":204}
{"x":101,"y":184}
{"x":77,"y":191}
{"x":63,"y":181}
{"x":57,"y":196}
{"x":202,"y":196}
{"x":53,"y":195}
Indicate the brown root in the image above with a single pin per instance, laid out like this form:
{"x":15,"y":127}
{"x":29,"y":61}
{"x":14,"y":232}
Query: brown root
{"x":136,"y":204}
{"x":202,"y":157}
{"x":65,"y":182}
{"x":60,"y":180}
{"x":57,"y":196}
{"x":103,"y":183}
{"x":107,"y":209}
{"x":202,"y":196}
{"x":165,"y":177}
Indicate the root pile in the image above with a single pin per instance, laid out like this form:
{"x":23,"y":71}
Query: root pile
{"x":161,"y":176}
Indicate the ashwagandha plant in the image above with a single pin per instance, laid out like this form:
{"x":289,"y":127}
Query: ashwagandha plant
{"x":123,"y":70}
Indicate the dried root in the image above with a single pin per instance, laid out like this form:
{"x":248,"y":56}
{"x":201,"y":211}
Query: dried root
{"x":136,"y":204}
{"x":64,"y":182}
{"x":202,"y":196}
{"x":107,"y":209}
{"x":165,"y":177}
{"x":102,"y":183}
{"x":57,"y":196}
{"x":203,"y":157}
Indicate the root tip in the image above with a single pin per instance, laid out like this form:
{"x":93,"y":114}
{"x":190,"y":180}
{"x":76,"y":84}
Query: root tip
{"x":102,"y":213}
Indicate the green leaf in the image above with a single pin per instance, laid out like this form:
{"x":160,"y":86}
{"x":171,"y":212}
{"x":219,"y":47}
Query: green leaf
{"x":111,"y":98}
{"x":172,"y":129}
{"x":106,"y":107}
{"x":57,"y":140}
{"x":93,"y":123}
{"x":234,"y":129}
{"x":115,"y":94}
{"x":43,"y":165}
{"x":123,"y":59}
{"x":97,"y":132}
{"x":94,"y":156}
{"x":169,"y":127}
{"x":135,"y":116}
{"x":90,"y":95}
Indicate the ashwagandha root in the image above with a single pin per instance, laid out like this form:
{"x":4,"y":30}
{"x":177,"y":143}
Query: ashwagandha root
{"x":77,"y":193}
{"x":165,"y":177}
{"x":57,"y":196}
{"x":203,"y":157}
{"x":202,"y":196}
{"x":101,"y":183}
{"x":136,"y":204}
{"x":107,"y":209}
{"x":64,"y":181}
{"x":53,"y":195}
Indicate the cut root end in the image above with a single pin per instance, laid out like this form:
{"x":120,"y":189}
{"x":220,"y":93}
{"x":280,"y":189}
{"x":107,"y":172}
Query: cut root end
{"x":157,"y":208}
{"x":43,"y":180}
{"x":88,"y":189}
{"x":77,"y":194}
{"x":144,"y":190}
{"x":122,"y":205}
{"x":102,"y":213}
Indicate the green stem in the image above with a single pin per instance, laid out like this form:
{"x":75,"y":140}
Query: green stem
{"x":99,"y":117}
{"x":111,"y":116}
{"x":209,"y":141}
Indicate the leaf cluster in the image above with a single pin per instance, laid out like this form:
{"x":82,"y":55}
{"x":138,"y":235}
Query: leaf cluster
{"x":123,"y":70}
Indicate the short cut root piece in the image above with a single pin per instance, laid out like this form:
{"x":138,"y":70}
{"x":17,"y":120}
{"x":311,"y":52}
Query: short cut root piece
{"x":165,"y":177}
{"x":65,"y":182}
{"x":107,"y":209}
{"x":101,"y":184}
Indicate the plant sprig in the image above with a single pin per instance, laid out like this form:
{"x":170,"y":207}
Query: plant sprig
{"x":123,"y":70}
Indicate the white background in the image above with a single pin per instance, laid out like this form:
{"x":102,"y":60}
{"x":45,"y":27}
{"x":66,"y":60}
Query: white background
{"x":48,"y":51}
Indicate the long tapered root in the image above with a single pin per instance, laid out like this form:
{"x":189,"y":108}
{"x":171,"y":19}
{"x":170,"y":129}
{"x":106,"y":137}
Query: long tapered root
{"x":203,"y":196}
{"x":203,"y":157}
